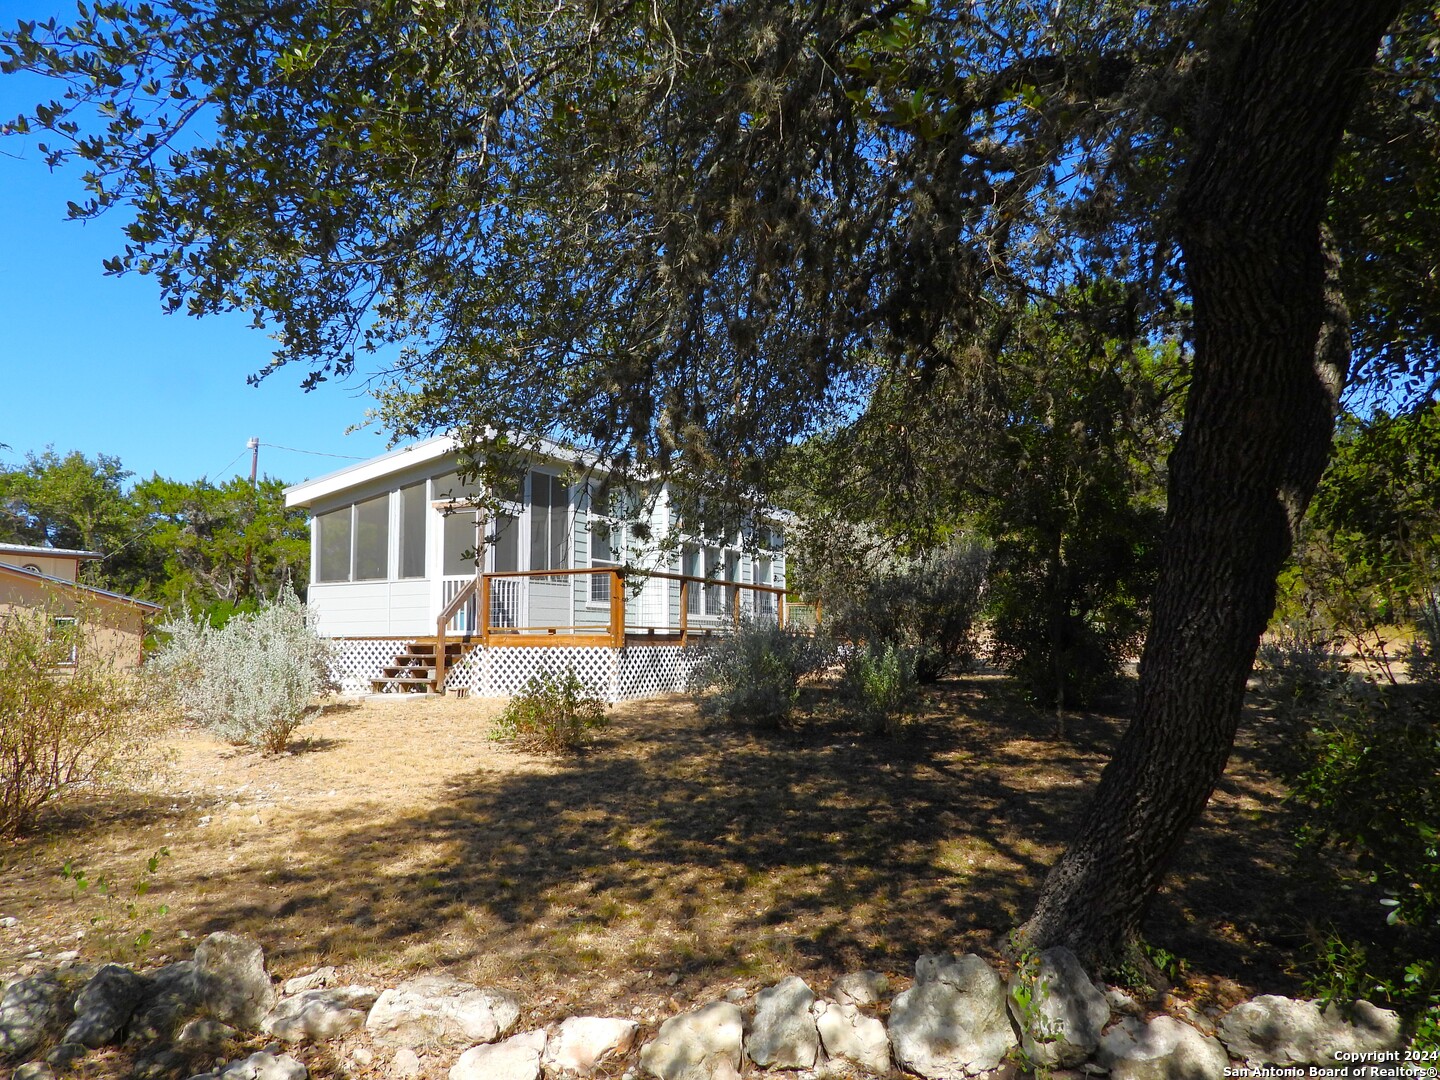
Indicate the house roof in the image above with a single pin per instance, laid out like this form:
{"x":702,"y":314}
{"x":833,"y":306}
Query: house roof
{"x":7,"y":570}
{"x":48,"y":552}
{"x":421,"y":453}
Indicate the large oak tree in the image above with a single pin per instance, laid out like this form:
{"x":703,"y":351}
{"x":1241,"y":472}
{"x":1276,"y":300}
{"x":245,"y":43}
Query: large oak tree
{"x":686,"y":234}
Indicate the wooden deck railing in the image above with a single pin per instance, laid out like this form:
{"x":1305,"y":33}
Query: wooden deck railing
{"x":614,"y":629}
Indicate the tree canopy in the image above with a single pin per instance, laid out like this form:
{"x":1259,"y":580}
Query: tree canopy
{"x":194,"y":546}
{"x":687,"y":234}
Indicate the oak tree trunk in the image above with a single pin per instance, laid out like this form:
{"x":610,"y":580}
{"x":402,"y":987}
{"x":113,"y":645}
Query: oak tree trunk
{"x":1270,"y":356}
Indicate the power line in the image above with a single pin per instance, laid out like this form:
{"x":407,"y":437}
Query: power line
{"x":315,"y":453}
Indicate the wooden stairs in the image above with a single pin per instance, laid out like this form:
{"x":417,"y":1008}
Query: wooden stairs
{"x":413,"y":671}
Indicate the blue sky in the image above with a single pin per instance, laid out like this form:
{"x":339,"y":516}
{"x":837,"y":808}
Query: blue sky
{"x":108,"y":371}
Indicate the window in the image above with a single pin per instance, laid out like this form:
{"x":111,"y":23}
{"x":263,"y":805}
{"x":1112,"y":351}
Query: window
{"x":372,"y":539}
{"x":549,"y":522}
{"x":334,"y":544}
{"x":607,"y":548}
{"x":30,"y":568}
{"x":691,"y":565}
{"x":412,"y":531}
{"x":65,"y":631}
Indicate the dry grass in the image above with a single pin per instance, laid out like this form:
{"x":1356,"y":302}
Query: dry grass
{"x":398,"y":837}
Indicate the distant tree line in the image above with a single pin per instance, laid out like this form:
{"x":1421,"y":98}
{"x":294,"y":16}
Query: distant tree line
{"x":200,"y":547}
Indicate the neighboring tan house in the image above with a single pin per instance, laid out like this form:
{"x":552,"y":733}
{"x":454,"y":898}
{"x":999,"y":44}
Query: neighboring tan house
{"x":560,"y":583}
{"x":40,"y":579}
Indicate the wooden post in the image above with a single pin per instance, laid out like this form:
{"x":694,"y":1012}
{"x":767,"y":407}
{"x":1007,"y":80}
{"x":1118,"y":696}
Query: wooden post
{"x":684,"y":612}
{"x":817,"y":613}
{"x":440,"y":655}
{"x":735,"y":604}
{"x":780,"y":609}
{"x":617,"y":609}
{"x":482,"y":614}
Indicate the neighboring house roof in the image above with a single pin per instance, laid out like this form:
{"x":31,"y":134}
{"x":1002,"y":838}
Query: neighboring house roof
{"x":421,"y":453}
{"x":50,"y":552}
{"x":6,"y":570}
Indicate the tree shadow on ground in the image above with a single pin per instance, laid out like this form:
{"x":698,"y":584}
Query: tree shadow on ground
{"x":676,"y":846}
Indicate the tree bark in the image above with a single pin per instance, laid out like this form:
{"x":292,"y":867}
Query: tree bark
{"x":1271,"y":353}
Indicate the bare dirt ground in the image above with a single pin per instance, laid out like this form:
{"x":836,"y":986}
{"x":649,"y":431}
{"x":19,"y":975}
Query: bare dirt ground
{"x":673,"y":858}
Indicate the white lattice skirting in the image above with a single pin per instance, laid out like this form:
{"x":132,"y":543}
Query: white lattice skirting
{"x":635,"y":671}
{"x":361,"y":659}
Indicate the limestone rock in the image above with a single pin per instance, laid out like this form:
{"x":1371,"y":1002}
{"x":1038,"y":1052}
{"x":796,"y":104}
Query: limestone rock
{"x":315,"y":980}
{"x":517,"y":1058}
{"x":264,"y":1066}
{"x":64,"y":1055}
{"x":1163,"y":1049}
{"x":235,"y":985}
{"x":34,"y":1010}
{"x":1064,"y":1012}
{"x":860,"y":988}
{"x":162,"y":1064}
{"x":439,"y":1009}
{"x":1275,"y":1030}
{"x":1123,"y":1002}
{"x":405,"y":1063}
{"x":952,"y":1023}
{"x":226,"y":981}
{"x":783,"y":1033}
{"x":583,"y":1042}
{"x":105,"y":1006}
{"x":849,"y":1034}
{"x":699,"y":1045}
{"x":35,"y":1070}
{"x":317,"y":1015}
{"x":204,"y":1036}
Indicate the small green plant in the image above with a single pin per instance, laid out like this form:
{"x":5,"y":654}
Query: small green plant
{"x":252,"y":681}
{"x":119,"y":926}
{"x":880,"y":684}
{"x":753,"y":676}
{"x":1029,"y":991}
{"x":552,"y":714}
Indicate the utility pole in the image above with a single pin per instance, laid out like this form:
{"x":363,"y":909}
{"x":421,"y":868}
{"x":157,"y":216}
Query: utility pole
{"x":254,"y":447}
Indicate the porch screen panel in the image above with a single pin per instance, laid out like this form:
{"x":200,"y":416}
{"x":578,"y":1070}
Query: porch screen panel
{"x":506,"y":539}
{"x":334,"y":563}
{"x":459,"y":560}
{"x":549,"y":516}
{"x":412,"y":531}
{"x":450,"y":488}
{"x":372,"y":539}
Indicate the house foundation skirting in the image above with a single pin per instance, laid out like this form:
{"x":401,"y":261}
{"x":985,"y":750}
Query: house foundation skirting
{"x":358,"y":660}
{"x":635,"y":671}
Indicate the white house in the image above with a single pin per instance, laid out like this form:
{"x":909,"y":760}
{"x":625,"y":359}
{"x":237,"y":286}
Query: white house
{"x":558,"y":581}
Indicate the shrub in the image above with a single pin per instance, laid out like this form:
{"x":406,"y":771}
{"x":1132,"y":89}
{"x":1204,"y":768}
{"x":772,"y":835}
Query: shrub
{"x":1367,"y":785}
{"x":1301,"y":673}
{"x":753,"y":676}
{"x":927,"y":608}
{"x":71,"y":718}
{"x":252,"y":681}
{"x":552,"y":714}
{"x":880,"y":684}
{"x":1422,"y":661}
